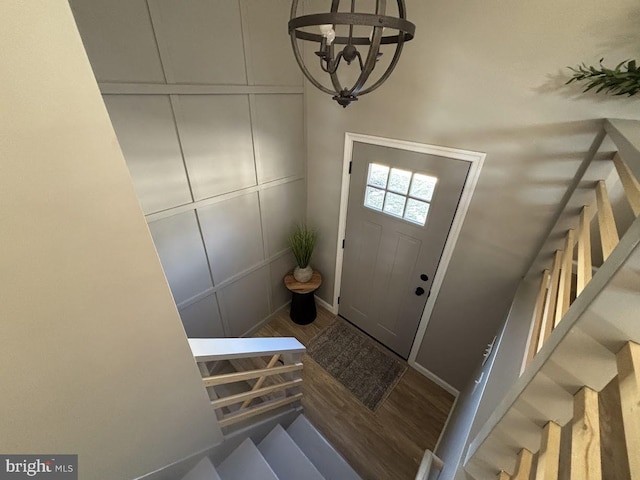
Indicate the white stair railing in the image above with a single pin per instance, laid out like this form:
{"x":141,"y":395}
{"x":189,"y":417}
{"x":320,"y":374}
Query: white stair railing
{"x":283,"y":369}
{"x":430,"y":467}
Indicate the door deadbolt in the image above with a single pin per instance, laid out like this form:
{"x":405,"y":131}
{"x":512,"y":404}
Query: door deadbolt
{"x":424,"y":277}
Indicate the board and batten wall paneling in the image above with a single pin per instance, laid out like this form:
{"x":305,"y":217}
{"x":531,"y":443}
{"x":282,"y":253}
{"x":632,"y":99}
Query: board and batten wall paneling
{"x":220,"y":175}
{"x":244,"y":301}
{"x":146,"y":131}
{"x":118,"y":37}
{"x":179,"y":245}
{"x":215,"y":131}
{"x":282,"y":206}
{"x":201,"y":319}
{"x":232,"y":235}
{"x":200,"y":41}
{"x":278,"y":269}
{"x":278,"y":135}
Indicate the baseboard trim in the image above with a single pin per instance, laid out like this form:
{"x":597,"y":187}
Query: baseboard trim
{"x":325,"y":305}
{"x":446,"y":423}
{"x":435,"y":379}
{"x":264,"y":321}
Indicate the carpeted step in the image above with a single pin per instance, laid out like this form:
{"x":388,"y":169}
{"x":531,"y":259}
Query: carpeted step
{"x":321,"y":453}
{"x":286,"y":458}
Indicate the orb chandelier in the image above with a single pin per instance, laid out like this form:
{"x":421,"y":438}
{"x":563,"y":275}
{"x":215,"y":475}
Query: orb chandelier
{"x":321,"y":28}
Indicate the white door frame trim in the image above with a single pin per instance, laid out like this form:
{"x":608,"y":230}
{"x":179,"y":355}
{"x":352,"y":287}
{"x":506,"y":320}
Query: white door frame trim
{"x":476,"y":159}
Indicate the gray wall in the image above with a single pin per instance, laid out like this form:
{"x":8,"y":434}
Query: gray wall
{"x":485,"y":76}
{"x":489,"y":383}
{"x":510,"y":351}
{"x":94,"y":360}
{"x":206,"y":101}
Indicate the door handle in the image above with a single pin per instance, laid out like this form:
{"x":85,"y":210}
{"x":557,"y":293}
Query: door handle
{"x":419,"y":291}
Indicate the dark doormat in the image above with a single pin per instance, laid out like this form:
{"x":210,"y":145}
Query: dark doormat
{"x":358,"y":362}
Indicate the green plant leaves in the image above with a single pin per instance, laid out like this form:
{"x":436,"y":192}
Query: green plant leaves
{"x":624,"y":79}
{"x":302,"y":241}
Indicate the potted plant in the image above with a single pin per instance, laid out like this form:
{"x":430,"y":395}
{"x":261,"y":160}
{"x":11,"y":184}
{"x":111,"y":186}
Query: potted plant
{"x":302,"y":241}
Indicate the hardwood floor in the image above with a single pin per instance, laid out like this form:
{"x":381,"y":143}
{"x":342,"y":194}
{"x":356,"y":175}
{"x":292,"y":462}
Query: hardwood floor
{"x":384,"y":445}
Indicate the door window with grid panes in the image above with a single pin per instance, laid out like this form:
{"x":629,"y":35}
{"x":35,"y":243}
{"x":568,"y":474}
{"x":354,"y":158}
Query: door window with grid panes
{"x":399,"y":193}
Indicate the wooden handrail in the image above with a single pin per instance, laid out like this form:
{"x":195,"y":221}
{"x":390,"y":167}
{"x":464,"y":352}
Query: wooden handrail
{"x":209,"y":352}
{"x":261,"y":380}
{"x":248,"y":375}
{"x":251,"y":394}
{"x":257,"y":410}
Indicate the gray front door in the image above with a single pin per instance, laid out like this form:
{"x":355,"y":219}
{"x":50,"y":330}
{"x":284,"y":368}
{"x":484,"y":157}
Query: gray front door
{"x":401,"y":206}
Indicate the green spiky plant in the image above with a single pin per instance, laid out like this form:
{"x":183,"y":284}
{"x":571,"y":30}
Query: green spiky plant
{"x":624,"y":79}
{"x":302,"y":241}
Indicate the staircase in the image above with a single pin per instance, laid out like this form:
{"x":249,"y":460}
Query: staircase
{"x":298,"y":452}
{"x":255,"y":387}
{"x":573,"y":413}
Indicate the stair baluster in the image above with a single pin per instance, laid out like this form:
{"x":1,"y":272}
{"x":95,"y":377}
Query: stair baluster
{"x":549,"y":454}
{"x":287,"y":378}
{"x":585,"y":437}
{"x":628,"y":362}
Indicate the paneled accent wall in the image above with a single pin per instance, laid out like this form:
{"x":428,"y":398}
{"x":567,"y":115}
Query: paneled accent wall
{"x":206,"y":101}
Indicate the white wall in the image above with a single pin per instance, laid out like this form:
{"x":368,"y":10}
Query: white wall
{"x":206,"y":101}
{"x":485,"y":76}
{"x":94,"y":360}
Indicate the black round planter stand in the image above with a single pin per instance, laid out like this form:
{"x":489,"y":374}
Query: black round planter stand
{"x":303,"y":303}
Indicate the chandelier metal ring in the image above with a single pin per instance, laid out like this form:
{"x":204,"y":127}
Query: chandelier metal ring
{"x":327,"y":39}
{"x":406,"y":28}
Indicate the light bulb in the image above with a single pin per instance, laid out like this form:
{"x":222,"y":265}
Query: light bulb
{"x":328,"y":32}
{"x":325,"y":29}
